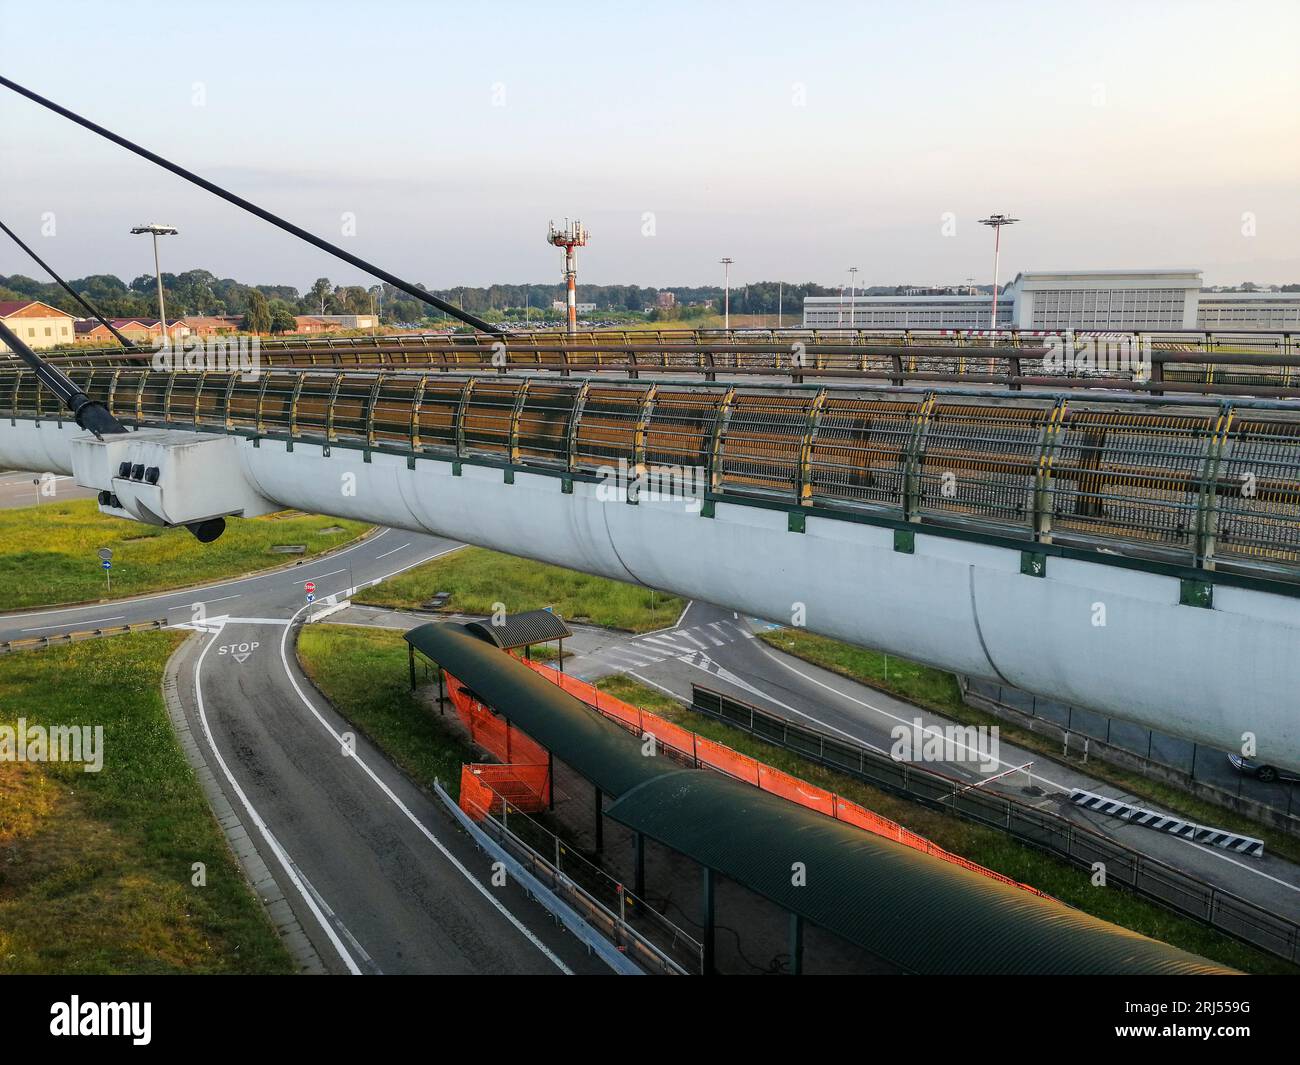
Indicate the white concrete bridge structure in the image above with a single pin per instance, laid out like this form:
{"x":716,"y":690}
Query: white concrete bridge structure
{"x":1140,"y":558}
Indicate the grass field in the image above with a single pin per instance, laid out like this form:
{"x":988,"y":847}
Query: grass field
{"x":938,"y":690}
{"x":364,"y":673}
{"x":96,"y":869}
{"x":50,"y":558}
{"x":478,"y":579}
{"x":993,"y":849}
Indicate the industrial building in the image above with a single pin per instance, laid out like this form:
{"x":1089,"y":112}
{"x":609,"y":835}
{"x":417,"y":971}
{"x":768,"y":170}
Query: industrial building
{"x":1069,"y":299}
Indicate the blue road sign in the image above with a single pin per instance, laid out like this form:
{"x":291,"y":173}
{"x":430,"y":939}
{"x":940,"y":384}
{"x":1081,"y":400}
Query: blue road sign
{"x":107,"y":564}
{"x":311,"y":598}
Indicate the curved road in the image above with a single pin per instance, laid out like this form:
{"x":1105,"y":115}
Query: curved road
{"x":377,"y":874}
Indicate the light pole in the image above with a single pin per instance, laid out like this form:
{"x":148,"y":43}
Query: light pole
{"x":157,"y":231}
{"x":853,"y":281}
{"x":726,"y":292}
{"x":996,"y":222}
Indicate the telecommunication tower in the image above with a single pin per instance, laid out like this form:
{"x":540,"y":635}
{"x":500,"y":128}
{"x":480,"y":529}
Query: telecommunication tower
{"x":573,"y":235}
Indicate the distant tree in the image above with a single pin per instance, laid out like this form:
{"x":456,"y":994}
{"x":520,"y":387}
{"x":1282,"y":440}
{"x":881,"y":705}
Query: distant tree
{"x":257,"y":319}
{"x":318,"y":296}
{"x":282,"y":320}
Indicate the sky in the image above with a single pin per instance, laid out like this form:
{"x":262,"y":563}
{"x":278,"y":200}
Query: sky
{"x":799,"y":139}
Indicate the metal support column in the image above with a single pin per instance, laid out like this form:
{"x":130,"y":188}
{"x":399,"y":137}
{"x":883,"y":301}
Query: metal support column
{"x":710,"y":955}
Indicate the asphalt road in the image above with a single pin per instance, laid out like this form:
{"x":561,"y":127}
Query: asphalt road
{"x":378,"y":875}
{"x":17,"y":489}
{"x":715,"y":647}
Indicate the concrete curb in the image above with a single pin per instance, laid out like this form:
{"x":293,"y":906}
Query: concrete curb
{"x":241,"y":844}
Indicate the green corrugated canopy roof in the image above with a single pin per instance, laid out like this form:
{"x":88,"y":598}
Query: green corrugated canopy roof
{"x":596,"y":747}
{"x":921,"y":913}
{"x":917,"y":911}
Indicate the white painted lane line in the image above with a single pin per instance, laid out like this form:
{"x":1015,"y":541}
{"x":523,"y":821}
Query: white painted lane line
{"x":205,"y":602}
{"x":660,"y":641}
{"x":388,"y":792}
{"x":321,"y":576}
{"x":87,"y":624}
{"x":309,"y":896}
{"x":393,"y":551}
{"x":703,"y":662}
{"x":212,"y":584}
{"x":1058,"y":786}
{"x":685,"y":634}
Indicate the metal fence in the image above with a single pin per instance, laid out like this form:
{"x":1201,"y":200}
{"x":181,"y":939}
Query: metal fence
{"x":59,"y":639}
{"x":1208,"y":766}
{"x":1170,"y":887}
{"x":626,"y":920}
{"x":1210,"y":487}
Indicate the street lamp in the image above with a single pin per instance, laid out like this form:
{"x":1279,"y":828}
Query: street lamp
{"x":996,"y":222}
{"x":853,"y":279}
{"x":726,"y":292}
{"x":157,"y":231}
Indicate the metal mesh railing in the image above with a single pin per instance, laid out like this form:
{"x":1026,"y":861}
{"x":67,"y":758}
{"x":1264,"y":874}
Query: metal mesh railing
{"x":1214,"y":486}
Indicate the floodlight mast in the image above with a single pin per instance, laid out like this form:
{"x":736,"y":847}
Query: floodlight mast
{"x":996,"y":222}
{"x":158,"y":231}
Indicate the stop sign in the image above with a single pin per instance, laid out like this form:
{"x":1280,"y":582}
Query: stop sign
{"x":311,"y":587}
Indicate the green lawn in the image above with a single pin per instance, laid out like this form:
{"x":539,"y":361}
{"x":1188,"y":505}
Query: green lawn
{"x":96,"y":868}
{"x":364,"y":673}
{"x":993,"y":849}
{"x":937,"y":690}
{"x":478,"y":579}
{"x":50,"y":558}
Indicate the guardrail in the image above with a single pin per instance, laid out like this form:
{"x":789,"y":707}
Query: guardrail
{"x":1082,"y":847}
{"x":1129,"y":361}
{"x":1206,"y":488}
{"x":627,"y":927}
{"x":58,"y":639}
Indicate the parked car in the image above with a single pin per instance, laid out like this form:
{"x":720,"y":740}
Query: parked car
{"x":1266,"y":773}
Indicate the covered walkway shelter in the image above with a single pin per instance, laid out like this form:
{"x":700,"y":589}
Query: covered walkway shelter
{"x":916,"y":912}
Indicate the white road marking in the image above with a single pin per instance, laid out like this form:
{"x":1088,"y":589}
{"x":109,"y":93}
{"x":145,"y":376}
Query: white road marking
{"x":309,"y":896}
{"x":26,"y":615}
{"x":1214,"y":852}
{"x":455,"y":862}
{"x":322,"y":576}
{"x":204,"y":602}
{"x":393,"y":551}
{"x":87,"y":624}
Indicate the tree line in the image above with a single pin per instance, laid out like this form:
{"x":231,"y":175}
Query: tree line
{"x":266,"y":308}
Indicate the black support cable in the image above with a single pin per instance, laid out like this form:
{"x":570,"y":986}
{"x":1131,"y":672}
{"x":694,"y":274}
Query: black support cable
{"x":89,"y":413}
{"x":66,"y":287}
{"x":260,"y":212}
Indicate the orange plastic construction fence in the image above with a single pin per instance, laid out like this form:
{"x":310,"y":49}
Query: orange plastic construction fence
{"x":523,"y":778}
{"x":713,"y":755}
{"x":484,"y":786}
{"x":491,"y":731}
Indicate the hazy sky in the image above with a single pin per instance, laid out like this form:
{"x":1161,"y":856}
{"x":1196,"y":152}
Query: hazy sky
{"x":798,"y":138}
